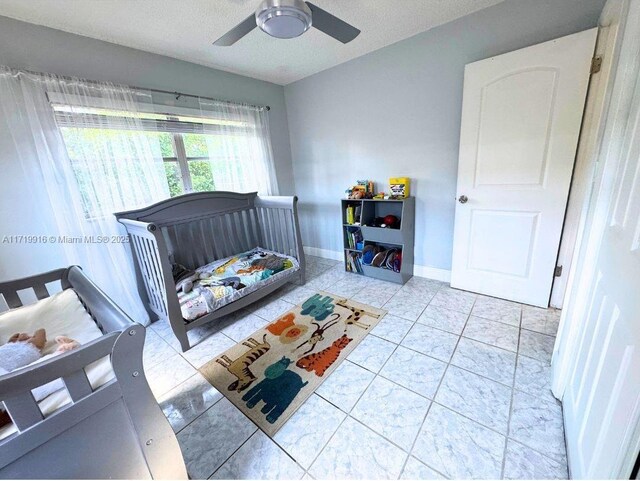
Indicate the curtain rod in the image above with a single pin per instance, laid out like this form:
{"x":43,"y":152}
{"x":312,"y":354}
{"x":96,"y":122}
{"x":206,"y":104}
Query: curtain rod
{"x":180,"y":94}
{"x":176,"y":94}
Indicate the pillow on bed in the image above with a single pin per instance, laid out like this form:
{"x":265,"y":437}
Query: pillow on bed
{"x":60,"y":314}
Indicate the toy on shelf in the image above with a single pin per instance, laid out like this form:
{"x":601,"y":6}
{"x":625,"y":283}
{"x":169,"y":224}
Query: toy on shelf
{"x":364,"y":189}
{"x":388,"y":221}
{"x":399,"y":187}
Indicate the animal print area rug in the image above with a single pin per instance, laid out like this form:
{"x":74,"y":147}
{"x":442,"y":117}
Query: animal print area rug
{"x":271,"y":373}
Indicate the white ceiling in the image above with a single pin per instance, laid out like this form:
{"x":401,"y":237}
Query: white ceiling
{"x":185,"y":29}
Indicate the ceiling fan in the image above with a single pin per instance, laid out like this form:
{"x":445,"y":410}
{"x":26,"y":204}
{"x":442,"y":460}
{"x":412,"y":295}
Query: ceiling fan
{"x":289,"y":19}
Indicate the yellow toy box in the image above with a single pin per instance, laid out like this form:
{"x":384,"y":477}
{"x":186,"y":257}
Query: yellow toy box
{"x":399,"y":186}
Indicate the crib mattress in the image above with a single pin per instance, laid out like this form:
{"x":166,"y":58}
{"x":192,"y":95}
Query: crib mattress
{"x":62,"y":314}
{"x":227,"y":280}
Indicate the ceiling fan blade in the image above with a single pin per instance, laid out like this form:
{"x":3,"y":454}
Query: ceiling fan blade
{"x":237,"y":32}
{"x":331,"y":25}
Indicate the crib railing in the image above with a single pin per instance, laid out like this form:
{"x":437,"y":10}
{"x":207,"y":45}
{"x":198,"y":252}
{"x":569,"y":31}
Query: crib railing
{"x":279,"y":228}
{"x":117,"y":420}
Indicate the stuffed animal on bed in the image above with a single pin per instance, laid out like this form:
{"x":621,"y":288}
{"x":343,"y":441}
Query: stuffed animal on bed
{"x":185,"y":278}
{"x":23,"y":349}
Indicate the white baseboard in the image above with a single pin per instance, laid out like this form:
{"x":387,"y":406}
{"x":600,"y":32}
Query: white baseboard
{"x":432,"y":273}
{"x":418,"y":271}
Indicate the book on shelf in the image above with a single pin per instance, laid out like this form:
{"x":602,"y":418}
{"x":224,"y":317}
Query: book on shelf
{"x":354,"y":263}
{"x":354,"y":238}
{"x":352,"y":214}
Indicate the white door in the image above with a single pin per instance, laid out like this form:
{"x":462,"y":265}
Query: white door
{"x":600,"y":333}
{"x":521,"y":118}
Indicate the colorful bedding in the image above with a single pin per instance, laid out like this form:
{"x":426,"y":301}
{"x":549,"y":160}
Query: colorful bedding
{"x":227,"y":280}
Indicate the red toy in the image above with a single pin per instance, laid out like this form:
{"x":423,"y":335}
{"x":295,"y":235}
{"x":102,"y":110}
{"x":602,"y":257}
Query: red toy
{"x":391,"y":221}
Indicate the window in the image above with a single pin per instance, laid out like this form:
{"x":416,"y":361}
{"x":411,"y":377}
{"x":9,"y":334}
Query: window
{"x":199,"y":153}
{"x":186,"y":160}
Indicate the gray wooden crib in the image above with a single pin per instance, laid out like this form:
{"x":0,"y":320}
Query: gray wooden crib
{"x":197,"y":229}
{"x":115,"y":431}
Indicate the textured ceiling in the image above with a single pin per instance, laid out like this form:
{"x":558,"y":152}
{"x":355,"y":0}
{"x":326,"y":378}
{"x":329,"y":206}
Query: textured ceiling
{"x":185,"y":29}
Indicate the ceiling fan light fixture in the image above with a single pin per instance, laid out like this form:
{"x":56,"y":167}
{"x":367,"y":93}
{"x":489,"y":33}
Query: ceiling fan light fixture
{"x":284,"y":18}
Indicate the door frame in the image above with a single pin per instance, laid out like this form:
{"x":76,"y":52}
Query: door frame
{"x":612,"y":25}
{"x":591,"y":134}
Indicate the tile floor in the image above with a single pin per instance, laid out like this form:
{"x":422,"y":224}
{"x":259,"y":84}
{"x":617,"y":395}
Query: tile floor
{"x":448,"y":385}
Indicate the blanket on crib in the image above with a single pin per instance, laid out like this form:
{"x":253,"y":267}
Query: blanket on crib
{"x":226,"y":280}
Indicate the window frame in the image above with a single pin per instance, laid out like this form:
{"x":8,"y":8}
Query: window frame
{"x":181,"y":158}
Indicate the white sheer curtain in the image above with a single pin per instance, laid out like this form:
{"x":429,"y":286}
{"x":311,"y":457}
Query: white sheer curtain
{"x":84,"y":167}
{"x":239,"y":145}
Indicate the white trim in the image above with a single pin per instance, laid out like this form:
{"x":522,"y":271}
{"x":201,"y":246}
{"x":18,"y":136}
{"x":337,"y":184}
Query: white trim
{"x":418,"y":271}
{"x":432,"y":273}
{"x":324,"y":253}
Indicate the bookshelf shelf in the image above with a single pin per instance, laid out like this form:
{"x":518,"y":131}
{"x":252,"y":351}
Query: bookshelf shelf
{"x":365,"y":211}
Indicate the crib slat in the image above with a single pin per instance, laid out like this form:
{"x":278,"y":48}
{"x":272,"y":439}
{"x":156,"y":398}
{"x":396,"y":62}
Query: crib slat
{"x":233,"y":232}
{"x":213,"y":236}
{"x":224,"y":241}
{"x":78,"y":385}
{"x":148,"y":274}
{"x":24,"y":410}
{"x":12,"y":299}
{"x":41,"y":291}
{"x":255,"y":226}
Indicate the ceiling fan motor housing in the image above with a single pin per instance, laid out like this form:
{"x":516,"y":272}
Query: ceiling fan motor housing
{"x":283,"y":18}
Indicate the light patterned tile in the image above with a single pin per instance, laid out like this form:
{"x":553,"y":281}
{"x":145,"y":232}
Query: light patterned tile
{"x":491,"y":332}
{"x":488,"y":361}
{"x":458,"y":447}
{"x":538,"y":424}
{"x":483,"y":400}
{"x":414,"y":469}
{"x":308,"y":429}
{"x":407,"y":308}
{"x":392,"y":411}
{"x":373,"y":295}
{"x":392,"y":328}
{"x":425,"y":291}
{"x":243,"y":326}
{"x":374,"y":458}
{"x":208,"y":349}
{"x":430,"y":341}
{"x":272,"y":309}
{"x":326,"y":279}
{"x":214,"y":436}
{"x":163,"y":377}
{"x":497,"y":310}
{"x":414,"y":371}
{"x":156,"y":349}
{"x":454,"y":299}
{"x":345,"y":385}
{"x":348,"y":287}
{"x":522,"y":462}
{"x":372,"y":353}
{"x":188,"y":400}
{"x":544,"y":321}
{"x":534,"y":377}
{"x":536,"y":345}
{"x":298,"y":295}
{"x":442,"y":318}
{"x":259,"y":458}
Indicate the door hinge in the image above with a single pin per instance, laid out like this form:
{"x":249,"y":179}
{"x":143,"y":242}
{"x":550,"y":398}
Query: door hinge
{"x":558,"y":271}
{"x":596,"y":64}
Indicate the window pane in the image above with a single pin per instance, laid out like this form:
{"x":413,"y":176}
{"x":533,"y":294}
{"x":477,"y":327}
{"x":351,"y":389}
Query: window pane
{"x":195,"y":145}
{"x":201,"y":177}
{"x":164,"y":139}
{"x":173,"y":178}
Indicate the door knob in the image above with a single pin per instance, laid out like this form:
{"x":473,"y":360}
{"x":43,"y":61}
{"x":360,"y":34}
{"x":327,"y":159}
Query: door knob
{"x":463,"y":199}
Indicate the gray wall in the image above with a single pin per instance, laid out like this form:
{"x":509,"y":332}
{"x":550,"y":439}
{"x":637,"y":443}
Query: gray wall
{"x":396,"y":112}
{"x":33,"y":47}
